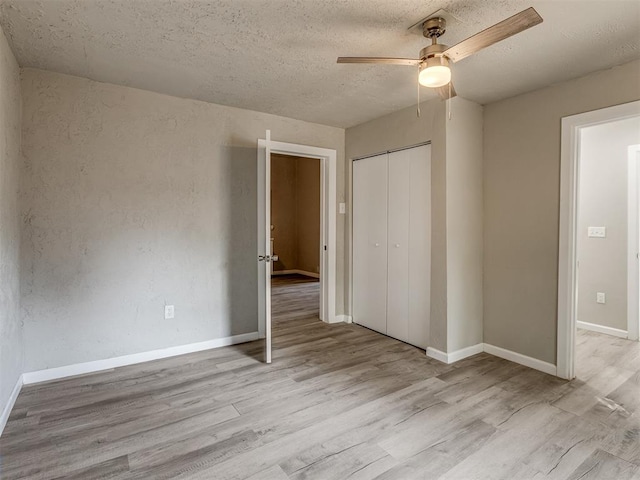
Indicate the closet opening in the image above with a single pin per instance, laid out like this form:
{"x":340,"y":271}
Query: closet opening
{"x":391,"y":248}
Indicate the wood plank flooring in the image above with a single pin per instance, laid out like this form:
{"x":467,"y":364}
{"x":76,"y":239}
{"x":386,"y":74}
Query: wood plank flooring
{"x":338,"y":402}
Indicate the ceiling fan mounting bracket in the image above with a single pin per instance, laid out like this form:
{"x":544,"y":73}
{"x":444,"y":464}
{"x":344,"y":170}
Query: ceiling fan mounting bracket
{"x":434,"y":27}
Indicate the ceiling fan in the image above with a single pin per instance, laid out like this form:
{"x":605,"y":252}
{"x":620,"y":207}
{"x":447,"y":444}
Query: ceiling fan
{"x":435,"y":59}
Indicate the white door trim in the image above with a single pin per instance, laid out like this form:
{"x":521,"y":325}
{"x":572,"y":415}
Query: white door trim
{"x":569,"y":189}
{"x":633,"y":244}
{"x":328,"y":210}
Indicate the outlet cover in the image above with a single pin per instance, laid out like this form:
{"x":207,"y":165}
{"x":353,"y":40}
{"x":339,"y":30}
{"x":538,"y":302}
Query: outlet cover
{"x":597,"y":232}
{"x":169,"y":312}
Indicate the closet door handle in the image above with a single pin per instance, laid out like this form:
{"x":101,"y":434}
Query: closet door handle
{"x":397,"y":245}
{"x":376,"y":244}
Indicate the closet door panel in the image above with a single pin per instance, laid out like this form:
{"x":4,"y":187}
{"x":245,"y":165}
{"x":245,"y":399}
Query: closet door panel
{"x":370,"y":242}
{"x":398,"y":250}
{"x":419,"y":245}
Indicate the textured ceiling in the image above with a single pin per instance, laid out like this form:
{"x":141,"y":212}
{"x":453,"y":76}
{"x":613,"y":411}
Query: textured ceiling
{"x":279,"y":56}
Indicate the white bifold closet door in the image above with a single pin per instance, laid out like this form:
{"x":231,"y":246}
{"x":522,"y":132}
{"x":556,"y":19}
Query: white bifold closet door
{"x":370,"y":244}
{"x":392,"y":244}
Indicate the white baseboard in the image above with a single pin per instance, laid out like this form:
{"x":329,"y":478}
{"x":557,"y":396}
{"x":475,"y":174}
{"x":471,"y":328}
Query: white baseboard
{"x":295,"y":272}
{"x":342,"y":318}
{"x":466,"y":352}
{"x":521,"y":359}
{"x":283,"y":272}
{"x":6,"y":411}
{"x":493,"y":350}
{"x":602,"y":329}
{"x":437,"y":355}
{"x":456,"y":355}
{"x":109,"y":363}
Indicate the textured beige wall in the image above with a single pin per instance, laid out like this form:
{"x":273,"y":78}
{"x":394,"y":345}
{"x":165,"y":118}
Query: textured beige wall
{"x":402,"y":129}
{"x":11,"y":331}
{"x":131,"y":200}
{"x":283,"y":211}
{"x":521,"y":205}
{"x":464,"y":225}
{"x":603,"y":202}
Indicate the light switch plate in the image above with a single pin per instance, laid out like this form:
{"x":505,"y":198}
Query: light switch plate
{"x":342,"y":208}
{"x":601,"y":297}
{"x":597,"y":232}
{"x":169,"y":312}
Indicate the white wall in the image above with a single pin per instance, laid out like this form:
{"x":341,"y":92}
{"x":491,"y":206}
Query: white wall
{"x":132,"y":199}
{"x":521,"y":205}
{"x":603,"y":203}
{"x":464,"y":225}
{"x":11,"y":331}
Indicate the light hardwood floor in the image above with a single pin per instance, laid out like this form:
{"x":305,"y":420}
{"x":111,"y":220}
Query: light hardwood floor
{"x":338,"y":402}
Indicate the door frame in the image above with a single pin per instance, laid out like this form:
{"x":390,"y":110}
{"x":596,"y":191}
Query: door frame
{"x":633,"y":244}
{"x":328,"y":214}
{"x":569,"y":194}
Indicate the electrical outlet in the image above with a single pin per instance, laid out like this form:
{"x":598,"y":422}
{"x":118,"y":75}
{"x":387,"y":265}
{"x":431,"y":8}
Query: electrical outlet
{"x":169,"y":312}
{"x":601,"y":297}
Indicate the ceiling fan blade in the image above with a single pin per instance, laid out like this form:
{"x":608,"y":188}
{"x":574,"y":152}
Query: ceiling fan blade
{"x":506,"y":28}
{"x":446,"y":91}
{"x":381,"y":60}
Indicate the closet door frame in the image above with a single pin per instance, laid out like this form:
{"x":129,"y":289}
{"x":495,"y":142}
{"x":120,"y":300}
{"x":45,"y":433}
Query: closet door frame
{"x":350,"y":245}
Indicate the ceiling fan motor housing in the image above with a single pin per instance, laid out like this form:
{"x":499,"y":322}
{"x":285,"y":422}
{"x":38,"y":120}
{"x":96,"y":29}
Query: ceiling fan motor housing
{"x":434,"y":51}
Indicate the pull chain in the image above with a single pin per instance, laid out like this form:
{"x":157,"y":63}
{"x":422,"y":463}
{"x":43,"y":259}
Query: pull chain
{"x":418,"y":112}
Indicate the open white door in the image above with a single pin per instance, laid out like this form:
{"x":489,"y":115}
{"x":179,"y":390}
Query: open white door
{"x":264,"y":243}
{"x":633,"y":242}
{"x":328,"y":249}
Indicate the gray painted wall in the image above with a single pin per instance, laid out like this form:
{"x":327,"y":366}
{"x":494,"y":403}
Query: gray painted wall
{"x":521,"y":205}
{"x":464,"y":225}
{"x":132,"y":200}
{"x":603,"y":202}
{"x":11,"y":331}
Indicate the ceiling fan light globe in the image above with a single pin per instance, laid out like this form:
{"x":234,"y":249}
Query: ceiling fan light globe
{"x":436,"y":76}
